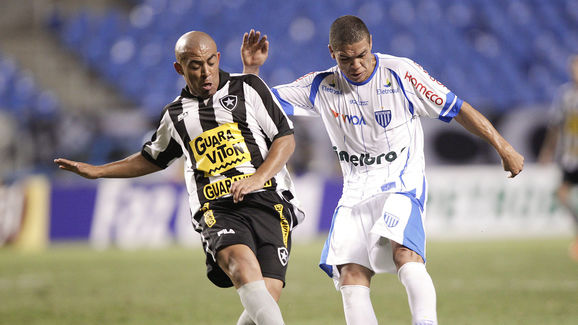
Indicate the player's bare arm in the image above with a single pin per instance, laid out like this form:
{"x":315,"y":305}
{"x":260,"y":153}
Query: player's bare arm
{"x":133,"y":166}
{"x":281,"y":150}
{"x":477,"y":124}
{"x":254,"y":51}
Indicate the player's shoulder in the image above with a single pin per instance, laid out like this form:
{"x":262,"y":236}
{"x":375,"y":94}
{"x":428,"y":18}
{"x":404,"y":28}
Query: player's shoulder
{"x":317,"y":76}
{"x":177,"y":103}
{"x":248,"y":78}
{"x":394,"y":62}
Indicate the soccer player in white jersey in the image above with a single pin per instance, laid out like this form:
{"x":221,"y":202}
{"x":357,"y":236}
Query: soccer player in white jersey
{"x":370,"y":104}
{"x":562,"y":138}
{"x":236,"y":140}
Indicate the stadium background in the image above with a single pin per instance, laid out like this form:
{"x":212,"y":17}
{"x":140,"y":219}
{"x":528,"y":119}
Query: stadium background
{"x":87,"y":80}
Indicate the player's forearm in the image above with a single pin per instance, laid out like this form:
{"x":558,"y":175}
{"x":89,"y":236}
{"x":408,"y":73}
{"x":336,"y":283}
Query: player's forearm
{"x":133,"y":166}
{"x":478,"y":124}
{"x":279,"y":153}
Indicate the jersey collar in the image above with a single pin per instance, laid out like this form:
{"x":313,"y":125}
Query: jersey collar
{"x":368,"y":79}
{"x":223,"y":79}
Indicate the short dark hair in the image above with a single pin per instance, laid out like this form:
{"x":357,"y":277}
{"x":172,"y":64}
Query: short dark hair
{"x":347,"y":30}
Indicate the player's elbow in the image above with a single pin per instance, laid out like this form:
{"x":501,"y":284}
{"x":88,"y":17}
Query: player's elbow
{"x":286,"y":143}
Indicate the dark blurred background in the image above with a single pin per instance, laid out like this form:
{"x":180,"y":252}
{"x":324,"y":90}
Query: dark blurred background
{"x":87,"y":80}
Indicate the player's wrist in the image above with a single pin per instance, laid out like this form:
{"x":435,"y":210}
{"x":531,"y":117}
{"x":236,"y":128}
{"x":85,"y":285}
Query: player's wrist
{"x":251,"y":69}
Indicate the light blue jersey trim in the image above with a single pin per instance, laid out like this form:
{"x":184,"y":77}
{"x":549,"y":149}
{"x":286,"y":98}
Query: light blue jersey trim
{"x":287,"y":107}
{"x":368,"y":79}
{"x":455,"y":109}
{"x":414,"y":234}
{"x":411,"y":110}
{"x":323,"y":262}
{"x":315,"y":86}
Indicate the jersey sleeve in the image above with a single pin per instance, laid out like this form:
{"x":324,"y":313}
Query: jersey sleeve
{"x":297,"y":98}
{"x":163,"y":148}
{"x":427,"y":96}
{"x":269,"y":114}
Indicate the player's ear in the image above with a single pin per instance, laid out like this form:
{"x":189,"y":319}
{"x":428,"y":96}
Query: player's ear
{"x":370,"y":42}
{"x":331,"y":51}
{"x":178,"y":68}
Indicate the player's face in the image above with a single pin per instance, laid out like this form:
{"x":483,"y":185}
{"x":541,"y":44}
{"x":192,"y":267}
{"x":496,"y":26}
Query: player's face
{"x":200,"y":68}
{"x":355,"y":60}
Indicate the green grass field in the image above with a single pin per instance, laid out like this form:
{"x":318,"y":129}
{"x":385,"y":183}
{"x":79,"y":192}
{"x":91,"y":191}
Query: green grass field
{"x":490,"y":282}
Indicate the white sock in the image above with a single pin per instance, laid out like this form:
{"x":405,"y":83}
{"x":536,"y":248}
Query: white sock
{"x":357,"y":305}
{"x":245,"y":319}
{"x":421,"y":293}
{"x":259,"y":304}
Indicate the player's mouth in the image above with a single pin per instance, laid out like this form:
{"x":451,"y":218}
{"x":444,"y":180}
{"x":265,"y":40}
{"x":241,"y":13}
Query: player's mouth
{"x":356,"y":76}
{"x":207,"y":86}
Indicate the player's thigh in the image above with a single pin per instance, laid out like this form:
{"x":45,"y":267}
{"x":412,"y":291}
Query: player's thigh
{"x":239,"y":263}
{"x":222,"y":227}
{"x":347,"y":242}
{"x":272,"y":219}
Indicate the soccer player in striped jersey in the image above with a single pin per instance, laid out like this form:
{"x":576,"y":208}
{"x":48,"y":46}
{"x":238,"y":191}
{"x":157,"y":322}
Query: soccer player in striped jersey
{"x":236,"y":140}
{"x":370,"y":104}
{"x":562,"y":138}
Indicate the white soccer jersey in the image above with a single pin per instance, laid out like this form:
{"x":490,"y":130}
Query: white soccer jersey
{"x":376,"y":133}
{"x":374,"y":125}
{"x":224,"y":138}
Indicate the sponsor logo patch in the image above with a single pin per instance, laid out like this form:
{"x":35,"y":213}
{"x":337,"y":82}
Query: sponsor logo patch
{"x":424,"y":90}
{"x":365,"y":158}
{"x":350,"y":119}
{"x":220,"y":149}
{"x":209,"y":218}
{"x":225,"y":232}
{"x":182,"y":116}
{"x":223,"y":187}
{"x":284,"y":223}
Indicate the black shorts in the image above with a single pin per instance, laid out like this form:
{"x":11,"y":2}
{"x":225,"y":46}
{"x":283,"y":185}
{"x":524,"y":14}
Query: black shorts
{"x":262,"y":221}
{"x":570,"y":177}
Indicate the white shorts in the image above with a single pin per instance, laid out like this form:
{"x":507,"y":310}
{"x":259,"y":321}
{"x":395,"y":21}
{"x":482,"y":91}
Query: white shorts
{"x":362,"y":234}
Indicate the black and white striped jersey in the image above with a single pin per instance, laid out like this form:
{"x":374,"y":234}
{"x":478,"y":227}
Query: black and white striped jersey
{"x":224,"y":138}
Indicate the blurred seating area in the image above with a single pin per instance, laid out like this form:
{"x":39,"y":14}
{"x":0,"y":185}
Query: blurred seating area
{"x":495,"y":54}
{"x":28,"y":115}
{"x":501,"y":56}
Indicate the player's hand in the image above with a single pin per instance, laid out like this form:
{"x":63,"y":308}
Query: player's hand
{"x":245,"y":186}
{"x":254,"y":51}
{"x":82,"y":169}
{"x":513,"y":162}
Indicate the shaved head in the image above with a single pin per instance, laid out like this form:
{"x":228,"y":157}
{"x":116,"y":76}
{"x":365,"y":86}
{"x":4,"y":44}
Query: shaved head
{"x":192,"y":42}
{"x":197,"y":60}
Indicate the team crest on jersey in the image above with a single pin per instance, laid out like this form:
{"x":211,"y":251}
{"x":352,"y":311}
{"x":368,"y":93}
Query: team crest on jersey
{"x":283,"y":254}
{"x":383,"y":118}
{"x":390,"y":220}
{"x":229,"y":102}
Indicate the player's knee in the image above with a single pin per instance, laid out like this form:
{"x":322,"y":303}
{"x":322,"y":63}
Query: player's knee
{"x":403,"y":255}
{"x":353,"y":274}
{"x":239,"y":263}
